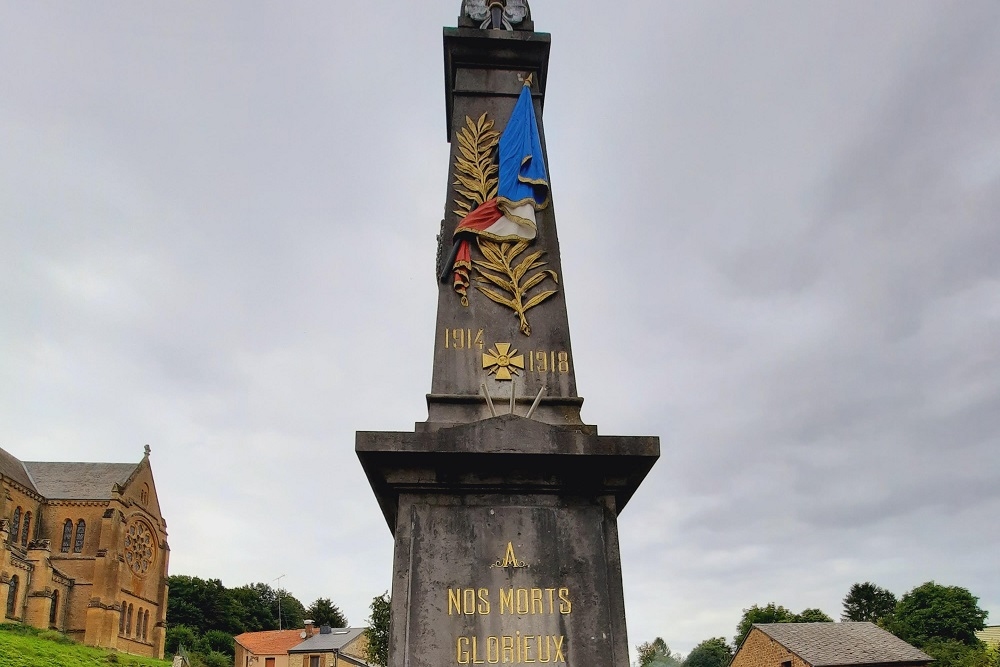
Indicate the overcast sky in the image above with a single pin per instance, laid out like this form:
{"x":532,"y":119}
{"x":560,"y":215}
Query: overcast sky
{"x":780,"y":229}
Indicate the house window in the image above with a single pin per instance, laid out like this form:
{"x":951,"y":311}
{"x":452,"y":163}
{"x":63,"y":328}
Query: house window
{"x":12,"y":596}
{"x":314,"y":661}
{"x":81,"y":532}
{"x":26,"y":529}
{"x":54,"y":611}
{"x":67,"y":535}
{"x":17,"y":526}
{"x":786,"y":663}
{"x":268,"y":662}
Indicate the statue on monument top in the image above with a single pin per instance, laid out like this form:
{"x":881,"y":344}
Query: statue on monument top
{"x":496,"y":14}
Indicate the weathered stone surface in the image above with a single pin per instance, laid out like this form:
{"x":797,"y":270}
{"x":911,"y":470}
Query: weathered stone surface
{"x":484,"y":73}
{"x":461,"y":501}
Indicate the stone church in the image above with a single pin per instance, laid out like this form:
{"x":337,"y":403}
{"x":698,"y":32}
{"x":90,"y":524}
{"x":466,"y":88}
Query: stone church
{"x":83,"y":550}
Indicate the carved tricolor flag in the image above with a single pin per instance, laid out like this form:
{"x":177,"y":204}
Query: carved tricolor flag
{"x":522,"y":189}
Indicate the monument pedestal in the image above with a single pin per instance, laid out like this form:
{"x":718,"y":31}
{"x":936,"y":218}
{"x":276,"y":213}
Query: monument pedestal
{"x":506,"y":540}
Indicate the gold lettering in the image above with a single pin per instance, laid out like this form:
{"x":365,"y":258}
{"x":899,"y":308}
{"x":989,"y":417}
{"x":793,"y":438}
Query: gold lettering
{"x":565,"y":606}
{"x":517,"y":643}
{"x":527,"y":648}
{"x":536,"y":600}
{"x":484,"y":602}
{"x":454,"y":600}
{"x":468,"y":601}
{"x":560,"y":657}
{"x":507,"y":601}
{"x":492,"y":650}
{"x":479,"y":339}
{"x":563,"y":362}
{"x":552,"y":604}
{"x":547,"y":645}
{"x":476,"y":660}
{"x":462,"y":655}
{"x":507,"y":646}
{"x":522,"y":600}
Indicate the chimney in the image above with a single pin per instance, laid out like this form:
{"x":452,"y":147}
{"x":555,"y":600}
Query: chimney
{"x":309,"y":628}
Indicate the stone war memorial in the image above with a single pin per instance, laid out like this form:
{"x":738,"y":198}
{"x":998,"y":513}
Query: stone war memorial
{"x":503,"y":504}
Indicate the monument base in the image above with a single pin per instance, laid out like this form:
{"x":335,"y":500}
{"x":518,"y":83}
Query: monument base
{"x":506,"y":540}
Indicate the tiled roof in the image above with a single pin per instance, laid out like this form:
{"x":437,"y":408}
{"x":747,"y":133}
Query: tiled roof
{"x":11,"y":467}
{"x":990,"y":634}
{"x":78,"y":481}
{"x":847,"y":643}
{"x":336,"y":639}
{"x":270,"y":642}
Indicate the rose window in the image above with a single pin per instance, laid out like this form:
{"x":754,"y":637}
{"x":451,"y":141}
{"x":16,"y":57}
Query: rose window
{"x":140,"y":547}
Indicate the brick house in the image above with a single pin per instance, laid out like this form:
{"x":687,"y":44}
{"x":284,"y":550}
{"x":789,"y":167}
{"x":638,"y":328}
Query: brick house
{"x":83,"y":550}
{"x":846,"y":644}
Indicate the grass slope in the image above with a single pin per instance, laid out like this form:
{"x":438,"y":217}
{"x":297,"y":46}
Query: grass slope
{"x":21,"y":646}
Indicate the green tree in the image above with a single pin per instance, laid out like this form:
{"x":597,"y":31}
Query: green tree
{"x":324,"y":612}
{"x":951,"y":653}
{"x":771,"y":613}
{"x":257,"y":605}
{"x":812,"y":616}
{"x":377,"y":632}
{"x":868,"y":602}
{"x":293,"y":614}
{"x":657,"y":654}
{"x":714,"y":652}
{"x":213,"y":659}
{"x":218,"y":641}
{"x":179,"y":635}
{"x":932,"y":612}
{"x":202,"y":604}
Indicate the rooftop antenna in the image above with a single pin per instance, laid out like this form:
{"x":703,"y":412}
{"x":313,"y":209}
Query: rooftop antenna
{"x":278,"y":591}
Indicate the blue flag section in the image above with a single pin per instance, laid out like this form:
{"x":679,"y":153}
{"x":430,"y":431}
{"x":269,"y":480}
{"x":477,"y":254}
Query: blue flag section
{"x":522,"y":179}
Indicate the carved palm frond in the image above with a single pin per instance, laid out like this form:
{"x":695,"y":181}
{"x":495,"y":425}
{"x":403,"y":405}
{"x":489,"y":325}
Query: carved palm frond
{"x":475,"y":170}
{"x":498,"y":270}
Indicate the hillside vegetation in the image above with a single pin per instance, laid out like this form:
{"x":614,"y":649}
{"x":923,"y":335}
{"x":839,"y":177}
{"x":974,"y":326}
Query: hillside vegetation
{"x":21,"y":646}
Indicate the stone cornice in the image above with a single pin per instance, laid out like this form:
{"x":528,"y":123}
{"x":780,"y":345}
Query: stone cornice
{"x":22,"y":488}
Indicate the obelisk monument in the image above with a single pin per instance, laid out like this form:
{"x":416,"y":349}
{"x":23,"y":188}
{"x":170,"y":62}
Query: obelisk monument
{"x":503,"y":504}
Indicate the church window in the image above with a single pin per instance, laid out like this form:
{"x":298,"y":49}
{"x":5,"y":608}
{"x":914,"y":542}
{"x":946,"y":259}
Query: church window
{"x":145,"y":625}
{"x":81,"y":532}
{"x":26,"y":529}
{"x":17,"y":526}
{"x":144,"y":494}
{"x":138,"y":624}
{"x":12,"y":596}
{"x":128,"y":621}
{"x":54,"y":611}
{"x":121,"y":619}
{"x":67,"y":535}
{"x":140,"y":547}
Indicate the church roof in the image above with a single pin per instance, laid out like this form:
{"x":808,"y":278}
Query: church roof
{"x":12,"y":468}
{"x":845,"y":643}
{"x":78,"y":481}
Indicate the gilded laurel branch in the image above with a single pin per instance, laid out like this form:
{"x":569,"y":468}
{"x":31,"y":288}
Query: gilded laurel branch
{"x":499,"y":259}
{"x":475,"y":170}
